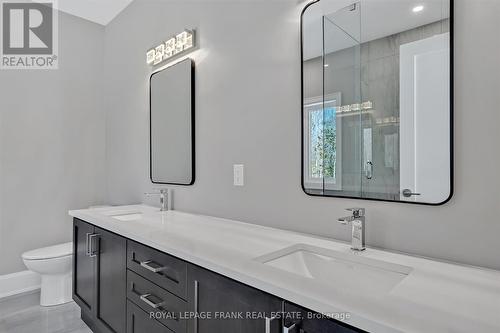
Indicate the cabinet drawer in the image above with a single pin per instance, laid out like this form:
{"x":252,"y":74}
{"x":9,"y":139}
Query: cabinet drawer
{"x":166,"y":271}
{"x":166,"y":307}
{"x":311,"y":322}
{"x":139,"y":321}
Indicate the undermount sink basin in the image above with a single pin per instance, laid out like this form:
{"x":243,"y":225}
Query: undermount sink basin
{"x":124,"y":215}
{"x":337,"y":268}
{"x":128,"y":217}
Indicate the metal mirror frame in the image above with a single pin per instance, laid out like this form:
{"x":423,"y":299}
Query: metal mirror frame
{"x":193,"y":151}
{"x":452,"y":131}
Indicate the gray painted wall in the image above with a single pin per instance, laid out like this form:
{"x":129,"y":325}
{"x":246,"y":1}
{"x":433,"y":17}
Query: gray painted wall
{"x":248,"y":111}
{"x":52,"y":152}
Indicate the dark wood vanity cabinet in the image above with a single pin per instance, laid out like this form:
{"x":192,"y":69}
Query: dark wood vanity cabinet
{"x":99,"y":277}
{"x":111,"y":281}
{"x":297,"y":319}
{"x":83,"y":267}
{"x":225,"y":305}
{"x":139,"y":321}
{"x":166,"y":271}
{"x":124,"y":286}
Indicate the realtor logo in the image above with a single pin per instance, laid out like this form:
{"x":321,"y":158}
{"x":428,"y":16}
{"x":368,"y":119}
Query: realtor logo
{"x":29,"y":35}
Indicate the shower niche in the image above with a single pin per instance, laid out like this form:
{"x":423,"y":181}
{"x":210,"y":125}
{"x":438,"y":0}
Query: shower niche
{"x":377,"y":105}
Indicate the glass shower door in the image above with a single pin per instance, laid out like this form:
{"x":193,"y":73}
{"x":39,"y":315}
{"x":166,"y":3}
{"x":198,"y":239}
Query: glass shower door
{"x":342,"y":132}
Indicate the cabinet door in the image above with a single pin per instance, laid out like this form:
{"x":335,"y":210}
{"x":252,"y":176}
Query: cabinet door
{"x":224,"y":305}
{"x":83,"y":267}
{"x":300,"y":320}
{"x":111,"y":281}
{"x":139,"y":321}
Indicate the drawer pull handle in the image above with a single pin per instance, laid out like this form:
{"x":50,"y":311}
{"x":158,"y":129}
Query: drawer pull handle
{"x":150,"y":265}
{"x":146,"y":300}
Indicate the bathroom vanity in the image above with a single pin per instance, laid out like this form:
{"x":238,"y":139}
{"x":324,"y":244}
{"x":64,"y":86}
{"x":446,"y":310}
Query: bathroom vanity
{"x":120,"y":283}
{"x":137,"y":269}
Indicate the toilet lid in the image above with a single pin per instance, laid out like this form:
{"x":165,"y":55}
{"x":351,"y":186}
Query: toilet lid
{"x":50,"y":252}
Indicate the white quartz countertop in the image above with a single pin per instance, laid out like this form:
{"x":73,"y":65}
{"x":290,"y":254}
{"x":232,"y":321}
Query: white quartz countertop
{"x":434,"y":297}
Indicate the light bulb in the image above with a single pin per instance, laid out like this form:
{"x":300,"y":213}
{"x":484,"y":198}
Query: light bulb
{"x":417,"y":9}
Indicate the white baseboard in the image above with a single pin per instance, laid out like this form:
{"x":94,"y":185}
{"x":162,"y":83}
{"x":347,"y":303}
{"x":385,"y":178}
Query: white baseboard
{"x":18,"y":283}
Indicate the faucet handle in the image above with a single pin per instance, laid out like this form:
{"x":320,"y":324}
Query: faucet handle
{"x":343,"y":220}
{"x":357,"y":212}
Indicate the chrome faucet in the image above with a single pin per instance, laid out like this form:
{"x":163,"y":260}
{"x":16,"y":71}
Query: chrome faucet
{"x":357,"y":220}
{"x":163,"y":193}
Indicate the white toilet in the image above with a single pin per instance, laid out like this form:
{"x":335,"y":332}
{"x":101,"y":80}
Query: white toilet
{"x":53,"y":263}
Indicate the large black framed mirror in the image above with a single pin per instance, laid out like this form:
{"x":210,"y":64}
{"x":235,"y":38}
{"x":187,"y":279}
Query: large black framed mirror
{"x":171,"y":120}
{"x":377,"y":100}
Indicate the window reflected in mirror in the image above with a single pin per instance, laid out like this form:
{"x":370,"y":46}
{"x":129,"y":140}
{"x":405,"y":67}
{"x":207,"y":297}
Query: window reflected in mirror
{"x":320,"y":119}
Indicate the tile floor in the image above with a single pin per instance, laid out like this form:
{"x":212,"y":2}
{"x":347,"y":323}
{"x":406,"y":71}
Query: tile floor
{"x":23,"y":314}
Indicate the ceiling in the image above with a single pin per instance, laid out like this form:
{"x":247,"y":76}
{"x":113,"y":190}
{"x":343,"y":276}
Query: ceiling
{"x":372,"y":19}
{"x":98,"y":11}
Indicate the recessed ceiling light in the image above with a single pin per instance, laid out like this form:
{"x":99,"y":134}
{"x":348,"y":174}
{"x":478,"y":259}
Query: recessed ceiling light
{"x":417,"y":9}
{"x":326,"y":65}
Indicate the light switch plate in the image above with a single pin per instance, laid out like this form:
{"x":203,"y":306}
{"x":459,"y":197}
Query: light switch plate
{"x":239,"y":174}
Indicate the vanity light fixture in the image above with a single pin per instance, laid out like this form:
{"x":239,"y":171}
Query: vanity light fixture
{"x":173,"y":46}
{"x":418,"y":9}
{"x":366,"y":106}
{"x":387,"y":121}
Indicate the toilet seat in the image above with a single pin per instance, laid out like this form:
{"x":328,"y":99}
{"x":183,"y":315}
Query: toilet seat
{"x":50,"y":252}
{"x":53,"y":263}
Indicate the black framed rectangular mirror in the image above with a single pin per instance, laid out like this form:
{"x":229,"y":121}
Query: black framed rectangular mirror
{"x":377,"y":100}
{"x":172,"y":154}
